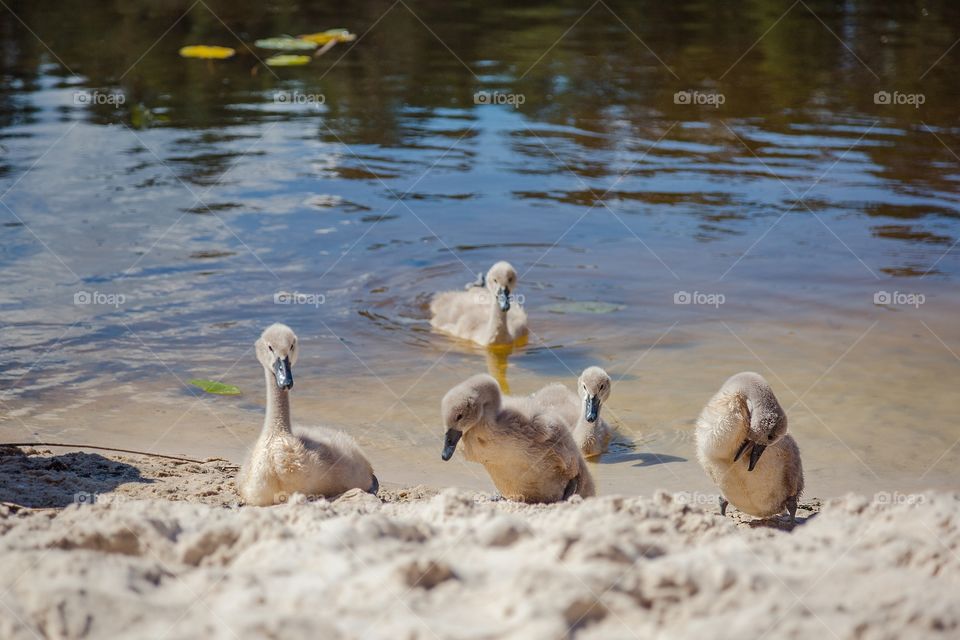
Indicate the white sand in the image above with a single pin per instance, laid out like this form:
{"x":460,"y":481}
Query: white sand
{"x":457,"y":565}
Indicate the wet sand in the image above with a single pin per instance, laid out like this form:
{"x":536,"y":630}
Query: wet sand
{"x":870,"y":400}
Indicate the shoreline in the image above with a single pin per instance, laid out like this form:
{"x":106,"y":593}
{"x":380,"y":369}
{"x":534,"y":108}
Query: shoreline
{"x":130,"y":546}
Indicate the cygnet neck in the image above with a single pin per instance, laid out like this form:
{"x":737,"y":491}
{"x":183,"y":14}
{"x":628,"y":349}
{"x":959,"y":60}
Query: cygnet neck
{"x":277,"y":419}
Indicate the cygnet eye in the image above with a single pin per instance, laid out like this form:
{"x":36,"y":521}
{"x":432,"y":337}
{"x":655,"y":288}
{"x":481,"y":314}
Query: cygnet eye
{"x":271,"y":348}
{"x":459,"y":417}
{"x":770,"y":437}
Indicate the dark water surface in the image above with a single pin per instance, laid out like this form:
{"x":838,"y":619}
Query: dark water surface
{"x":626,"y":153}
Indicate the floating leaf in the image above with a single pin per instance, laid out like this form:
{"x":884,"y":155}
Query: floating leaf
{"x":330,"y":35}
{"x":286,"y":43}
{"x":585,"y":307}
{"x":218,"y":388}
{"x":287,"y":61}
{"x":207,"y":52}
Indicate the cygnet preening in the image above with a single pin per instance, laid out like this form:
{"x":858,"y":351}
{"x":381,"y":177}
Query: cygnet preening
{"x":314,"y":461}
{"x":581,"y":410}
{"x":486,"y":314}
{"x":528,"y":452}
{"x":744,"y":420}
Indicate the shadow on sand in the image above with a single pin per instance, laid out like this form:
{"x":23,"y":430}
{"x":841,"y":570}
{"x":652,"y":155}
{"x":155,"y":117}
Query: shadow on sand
{"x":55,"y":481}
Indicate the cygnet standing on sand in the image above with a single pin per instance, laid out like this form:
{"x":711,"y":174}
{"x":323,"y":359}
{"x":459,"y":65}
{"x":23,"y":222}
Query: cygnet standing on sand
{"x":310,"y":460}
{"x":744,"y":417}
{"x":486,"y":314}
{"x":529,"y":453}
{"x":581,"y":410}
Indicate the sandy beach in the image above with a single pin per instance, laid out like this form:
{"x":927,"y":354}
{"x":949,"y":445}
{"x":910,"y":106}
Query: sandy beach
{"x":97,"y":545}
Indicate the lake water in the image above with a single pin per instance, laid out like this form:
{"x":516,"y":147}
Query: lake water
{"x":725,"y":180}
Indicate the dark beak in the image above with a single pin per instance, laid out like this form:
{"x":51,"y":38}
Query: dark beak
{"x":450,"y":441}
{"x":740,"y":451}
{"x":755,"y":454}
{"x":503,"y":297}
{"x":592,"y":409}
{"x":281,"y":369}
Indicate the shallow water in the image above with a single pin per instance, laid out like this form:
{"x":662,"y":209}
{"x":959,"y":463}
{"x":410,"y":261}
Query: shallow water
{"x":784,"y":212}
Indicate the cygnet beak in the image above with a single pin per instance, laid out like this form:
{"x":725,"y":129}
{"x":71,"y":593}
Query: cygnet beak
{"x":503,"y":298}
{"x":756,"y":451}
{"x":755,"y":454}
{"x":450,"y":440}
{"x":591,"y":408}
{"x":743,"y":447}
{"x":281,"y":370}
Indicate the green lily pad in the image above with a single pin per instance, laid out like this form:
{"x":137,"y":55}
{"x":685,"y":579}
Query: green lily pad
{"x":287,"y":61}
{"x":286,"y":43}
{"x":217,"y":388}
{"x":585,"y":307}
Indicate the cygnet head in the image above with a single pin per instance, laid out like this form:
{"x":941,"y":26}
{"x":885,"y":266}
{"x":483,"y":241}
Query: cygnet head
{"x":501,"y":280}
{"x":277,"y":352}
{"x":594,"y":389}
{"x":768,"y":421}
{"x":465,"y":406}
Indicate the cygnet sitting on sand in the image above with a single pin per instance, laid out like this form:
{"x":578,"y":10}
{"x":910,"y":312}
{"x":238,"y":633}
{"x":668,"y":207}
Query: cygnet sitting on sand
{"x":744,"y":419}
{"x":314,"y":461}
{"x":529,"y":453}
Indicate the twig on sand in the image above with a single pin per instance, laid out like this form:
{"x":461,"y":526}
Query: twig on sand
{"x":92,"y":446}
{"x":20,"y":507}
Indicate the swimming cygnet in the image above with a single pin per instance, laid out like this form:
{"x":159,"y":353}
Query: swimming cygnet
{"x":581,"y":410}
{"x":486,"y":314}
{"x":314,"y":461}
{"x":745,"y":420}
{"x":528,"y":452}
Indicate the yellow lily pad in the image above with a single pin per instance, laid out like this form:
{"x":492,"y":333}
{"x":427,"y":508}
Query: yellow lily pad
{"x":207,"y":52}
{"x":287,"y":61}
{"x":330,"y":35}
{"x":286,"y":43}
